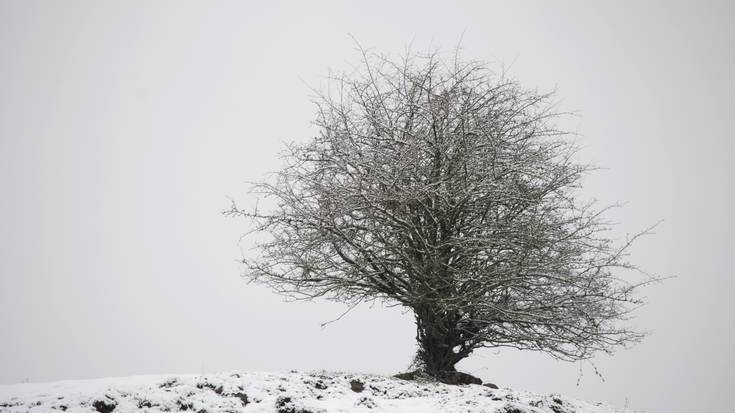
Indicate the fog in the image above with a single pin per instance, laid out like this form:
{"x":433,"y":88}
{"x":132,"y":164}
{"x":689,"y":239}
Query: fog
{"x":126,"y":127}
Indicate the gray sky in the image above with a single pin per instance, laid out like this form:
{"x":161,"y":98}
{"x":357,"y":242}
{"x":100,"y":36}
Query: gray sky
{"x":125,"y":126}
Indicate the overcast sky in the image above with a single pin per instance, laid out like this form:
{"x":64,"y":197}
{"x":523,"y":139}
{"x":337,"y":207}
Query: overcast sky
{"x":125,"y":127}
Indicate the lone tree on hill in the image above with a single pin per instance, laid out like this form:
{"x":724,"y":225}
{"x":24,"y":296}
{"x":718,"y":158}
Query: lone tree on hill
{"x":446,"y":189}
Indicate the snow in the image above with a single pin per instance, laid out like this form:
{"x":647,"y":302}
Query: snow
{"x":291,"y":392}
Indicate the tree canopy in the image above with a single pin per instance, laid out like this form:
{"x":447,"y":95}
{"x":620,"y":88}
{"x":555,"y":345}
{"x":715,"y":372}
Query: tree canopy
{"x":446,"y":188}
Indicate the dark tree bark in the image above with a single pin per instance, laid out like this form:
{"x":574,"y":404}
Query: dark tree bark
{"x":438,"y":337}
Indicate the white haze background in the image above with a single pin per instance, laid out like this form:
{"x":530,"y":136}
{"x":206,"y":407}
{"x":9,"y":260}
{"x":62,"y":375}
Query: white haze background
{"x":125,"y":127}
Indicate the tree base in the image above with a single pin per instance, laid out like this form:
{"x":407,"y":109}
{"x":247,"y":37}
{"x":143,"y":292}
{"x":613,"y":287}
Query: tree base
{"x":457,"y":377}
{"x":447,"y":377}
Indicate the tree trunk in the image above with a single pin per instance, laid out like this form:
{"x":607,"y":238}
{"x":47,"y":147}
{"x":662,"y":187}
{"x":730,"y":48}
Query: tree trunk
{"x":437,"y":335}
{"x":441,"y":345}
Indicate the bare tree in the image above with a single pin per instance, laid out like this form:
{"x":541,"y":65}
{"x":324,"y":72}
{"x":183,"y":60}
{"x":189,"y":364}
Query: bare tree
{"x":446,"y":189}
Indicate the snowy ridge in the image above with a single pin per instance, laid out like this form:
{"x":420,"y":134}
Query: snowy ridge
{"x":293,"y":392}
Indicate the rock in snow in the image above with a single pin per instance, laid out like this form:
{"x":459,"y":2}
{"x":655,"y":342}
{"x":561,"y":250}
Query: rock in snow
{"x":293,"y":392}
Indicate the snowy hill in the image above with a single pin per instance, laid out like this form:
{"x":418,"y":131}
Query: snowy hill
{"x":293,"y":392}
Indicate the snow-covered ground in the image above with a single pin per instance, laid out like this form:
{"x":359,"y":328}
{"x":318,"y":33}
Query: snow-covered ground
{"x":292,"y":392}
